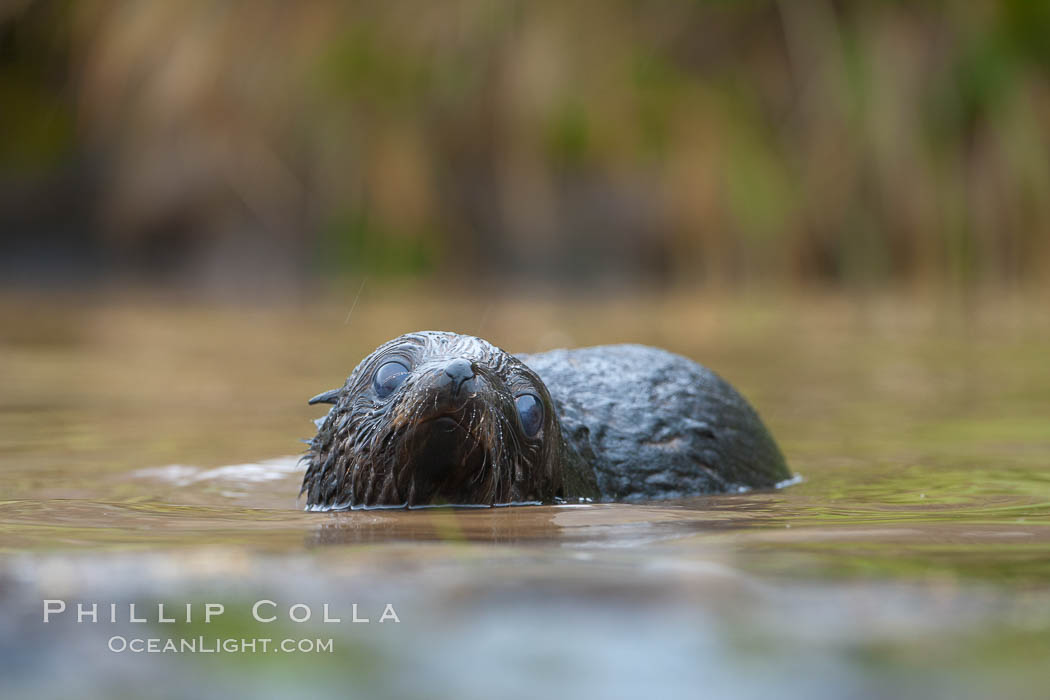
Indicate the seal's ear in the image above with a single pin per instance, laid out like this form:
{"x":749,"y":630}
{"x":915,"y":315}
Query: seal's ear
{"x":330,"y":396}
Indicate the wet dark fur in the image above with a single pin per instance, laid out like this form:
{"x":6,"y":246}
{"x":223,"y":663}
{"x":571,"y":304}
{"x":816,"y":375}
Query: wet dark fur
{"x":366,"y":452}
{"x":622,"y":422}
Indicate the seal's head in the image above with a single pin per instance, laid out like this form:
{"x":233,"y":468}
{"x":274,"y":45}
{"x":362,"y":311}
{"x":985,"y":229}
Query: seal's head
{"x":435,"y":418}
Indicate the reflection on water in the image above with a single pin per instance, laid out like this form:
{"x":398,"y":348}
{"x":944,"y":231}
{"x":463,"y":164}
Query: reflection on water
{"x":139,"y":452}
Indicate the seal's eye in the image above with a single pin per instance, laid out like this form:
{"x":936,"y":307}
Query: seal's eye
{"x":531,"y":412}
{"x":389,"y":377}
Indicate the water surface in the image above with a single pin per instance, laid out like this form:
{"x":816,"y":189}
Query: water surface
{"x":148,"y":452}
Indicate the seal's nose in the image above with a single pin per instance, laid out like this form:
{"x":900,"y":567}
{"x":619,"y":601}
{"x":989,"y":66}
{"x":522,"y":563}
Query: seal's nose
{"x":459,"y":375}
{"x":459,"y":370}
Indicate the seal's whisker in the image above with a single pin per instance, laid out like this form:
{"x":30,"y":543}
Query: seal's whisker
{"x":356,"y":298}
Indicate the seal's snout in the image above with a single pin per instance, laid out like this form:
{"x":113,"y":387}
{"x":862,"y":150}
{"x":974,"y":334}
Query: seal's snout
{"x":458,"y":377}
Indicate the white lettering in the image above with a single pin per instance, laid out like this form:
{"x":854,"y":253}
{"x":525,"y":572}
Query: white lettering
{"x":299,"y":606}
{"x":82,"y":612}
{"x":389,"y":614}
{"x":259,"y":604}
{"x":213,"y":609}
{"x":53,"y":606}
{"x":328,"y":618}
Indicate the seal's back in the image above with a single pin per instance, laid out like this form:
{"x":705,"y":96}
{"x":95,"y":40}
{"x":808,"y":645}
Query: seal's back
{"x":656,"y":425}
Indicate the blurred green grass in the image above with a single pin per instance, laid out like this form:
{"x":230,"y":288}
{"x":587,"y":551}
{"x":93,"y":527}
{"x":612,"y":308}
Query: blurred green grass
{"x":739,"y":144}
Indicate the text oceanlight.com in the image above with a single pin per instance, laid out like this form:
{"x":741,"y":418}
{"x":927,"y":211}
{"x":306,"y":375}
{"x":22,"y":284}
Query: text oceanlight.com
{"x":215,"y":645}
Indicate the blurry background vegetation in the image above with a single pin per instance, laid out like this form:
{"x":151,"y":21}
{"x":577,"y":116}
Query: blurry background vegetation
{"x":591,"y":143}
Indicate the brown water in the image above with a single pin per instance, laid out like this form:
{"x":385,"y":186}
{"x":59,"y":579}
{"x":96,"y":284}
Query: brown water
{"x":148,"y":453}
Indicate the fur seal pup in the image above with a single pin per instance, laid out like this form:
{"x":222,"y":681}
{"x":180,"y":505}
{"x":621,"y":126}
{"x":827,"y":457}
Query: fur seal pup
{"x":434,"y":418}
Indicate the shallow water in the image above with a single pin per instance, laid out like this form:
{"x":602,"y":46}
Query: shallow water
{"x":148,"y":452}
